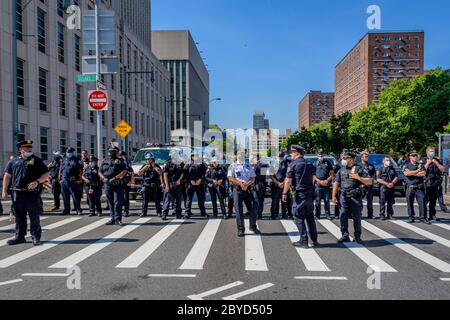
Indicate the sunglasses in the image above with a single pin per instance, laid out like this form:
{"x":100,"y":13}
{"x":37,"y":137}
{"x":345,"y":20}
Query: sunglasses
{"x":414,"y":155}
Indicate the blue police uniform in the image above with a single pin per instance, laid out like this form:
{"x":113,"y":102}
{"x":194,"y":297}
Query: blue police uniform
{"x":174,"y":172}
{"x":433,"y":179}
{"x":217,"y":192}
{"x":277,"y":192}
{"x":243,"y":173}
{"x":56,"y":185}
{"x":302,"y":174}
{"x":369,"y":190}
{"x":151,"y":186}
{"x":194,"y":172}
{"x":71,"y":185}
{"x":387,"y":195}
{"x":94,"y":189}
{"x":114,"y":189}
{"x":25,"y":171}
{"x":229,"y":192}
{"x":127,"y":190}
{"x":259,"y":188}
{"x":323,"y":169}
{"x":351,"y":195}
{"x":415,"y":190}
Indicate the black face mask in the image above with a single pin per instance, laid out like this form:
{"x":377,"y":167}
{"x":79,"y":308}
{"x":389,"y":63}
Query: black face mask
{"x":113,"y":155}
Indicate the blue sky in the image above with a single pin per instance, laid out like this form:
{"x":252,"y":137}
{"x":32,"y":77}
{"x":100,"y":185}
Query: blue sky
{"x":267,"y":54}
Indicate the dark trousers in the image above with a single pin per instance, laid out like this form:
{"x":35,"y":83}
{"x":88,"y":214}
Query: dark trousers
{"x":355,"y":205}
{"x":369,"y":198}
{"x":303,"y":210}
{"x":432,"y":194}
{"x":154,"y":195}
{"x":56,"y":190}
{"x":260,"y":194}
{"x":94,"y":198}
{"x":239,"y":198}
{"x":201,"y":197}
{"x":184,"y":196}
{"x":218,"y":193}
{"x":1,"y":207}
{"x":325,"y":195}
{"x":419,"y":195}
{"x":174,"y":195}
{"x":286,"y":207}
{"x":30,"y":203}
{"x":387,"y":197}
{"x":71,"y":189}
{"x":115,"y":201}
{"x":230,"y":202}
{"x":126,"y":199}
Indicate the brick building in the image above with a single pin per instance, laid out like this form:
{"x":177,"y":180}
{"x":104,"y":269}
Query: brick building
{"x":315,"y":107}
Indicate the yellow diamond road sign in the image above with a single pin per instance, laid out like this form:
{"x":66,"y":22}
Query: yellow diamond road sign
{"x":123,"y":129}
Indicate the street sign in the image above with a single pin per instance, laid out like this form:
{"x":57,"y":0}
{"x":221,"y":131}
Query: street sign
{"x":86,"y":78}
{"x":123,"y":129}
{"x":98,"y":100}
{"x":101,"y":85}
{"x":108,"y":64}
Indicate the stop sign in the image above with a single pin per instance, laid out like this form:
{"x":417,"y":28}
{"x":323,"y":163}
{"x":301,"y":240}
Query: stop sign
{"x":98,"y":100}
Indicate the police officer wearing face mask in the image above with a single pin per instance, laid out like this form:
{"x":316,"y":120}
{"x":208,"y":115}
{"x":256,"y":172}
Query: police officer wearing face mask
{"x":324,"y":178}
{"x":26,"y":175}
{"x":173,"y":175}
{"x":260,"y":185}
{"x":415,"y":174}
{"x":129,"y":178}
{"x":215,"y":179}
{"x":112,"y":172}
{"x":54,"y":168}
{"x":387,"y":178}
{"x":301,"y":176}
{"x":195,"y":178}
{"x":369,"y":190}
{"x":351,"y":179}
{"x":151,"y":174}
{"x":277,"y":187}
{"x":94,"y":186}
{"x":71,"y":183}
{"x":434,"y":178}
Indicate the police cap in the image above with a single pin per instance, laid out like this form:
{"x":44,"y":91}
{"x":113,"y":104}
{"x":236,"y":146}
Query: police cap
{"x":281,"y":155}
{"x":93,"y":158}
{"x":349,"y":153}
{"x":298,"y":149}
{"x":115,"y":149}
{"x":25,"y":144}
{"x":70,"y":150}
{"x":412,"y":152}
{"x":149,"y":156}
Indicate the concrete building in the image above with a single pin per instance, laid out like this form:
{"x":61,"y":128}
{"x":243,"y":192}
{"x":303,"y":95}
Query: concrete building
{"x":260,"y":121}
{"x":283,"y":137}
{"x":315,"y":107}
{"x":52,"y":107}
{"x":189,"y":83}
{"x":377,"y":59}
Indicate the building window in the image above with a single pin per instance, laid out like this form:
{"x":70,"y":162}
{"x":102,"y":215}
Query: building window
{"x":20,"y":83}
{"x":63,"y":139}
{"x":91,"y":117}
{"x":77,"y":52}
{"x":19,"y":20}
{"x":60,"y":43}
{"x":104,"y":145}
{"x":92,"y":144}
{"x":41,"y":30}
{"x":79,"y":143}
{"x":103,"y":119}
{"x":62,"y":96}
{"x":42,"y":89}
{"x":60,"y":8}
{"x":21,"y":135}
{"x":142,"y":124}
{"x":113,"y":114}
{"x":44,"y":143}
{"x":78,"y":102}
{"x":136,"y":121}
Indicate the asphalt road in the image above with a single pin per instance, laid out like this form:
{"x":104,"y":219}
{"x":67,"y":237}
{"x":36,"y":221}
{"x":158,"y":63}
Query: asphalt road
{"x":204,"y":259}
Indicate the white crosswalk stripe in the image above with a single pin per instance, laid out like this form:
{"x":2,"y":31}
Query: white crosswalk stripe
{"x":12,"y":227}
{"x":310,"y":257}
{"x":445,"y":226}
{"x":255,"y":259}
{"x":4,"y":218}
{"x":423,"y":233}
{"x":82,"y":255}
{"x":146,"y":250}
{"x":360,"y":251}
{"x":406,"y":247}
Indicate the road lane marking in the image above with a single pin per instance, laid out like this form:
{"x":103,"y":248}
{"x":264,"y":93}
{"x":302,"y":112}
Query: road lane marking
{"x":45,"y":275}
{"x":320,"y":278}
{"x":310,"y":257}
{"x":423,"y":233}
{"x":5,"y":263}
{"x":4,"y":218}
{"x":360,"y":251}
{"x":445,"y":279}
{"x":101,"y":244}
{"x":442,"y":225}
{"x":199,"y":252}
{"x":10,"y":282}
{"x":53,"y":226}
{"x":248,"y":292}
{"x":12,"y":227}
{"x":255,"y":260}
{"x":406,"y":247}
{"x":214,"y":291}
{"x":146,"y":250}
{"x":172,"y":275}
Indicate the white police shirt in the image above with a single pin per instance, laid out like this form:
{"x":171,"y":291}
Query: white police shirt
{"x":241,"y":172}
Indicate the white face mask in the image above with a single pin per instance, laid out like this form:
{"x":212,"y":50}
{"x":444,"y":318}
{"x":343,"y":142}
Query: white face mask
{"x":388,"y":163}
{"x":344,"y":163}
{"x":431,"y":154}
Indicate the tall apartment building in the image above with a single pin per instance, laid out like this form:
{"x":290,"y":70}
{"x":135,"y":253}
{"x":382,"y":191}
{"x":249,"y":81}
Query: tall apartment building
{"x":189,"y":82}
{"x":377,"y":59}
{"x":52,"y":107}
{"x":315,"y":107}
{"x":260,"y":121}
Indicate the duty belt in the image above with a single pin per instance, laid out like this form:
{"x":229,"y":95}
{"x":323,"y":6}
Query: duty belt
{"x":37,"y":190}
{"x":417,"y":186}
{"x":359,"y":192}
{"x":151,"y":185}
{"x":173,"y":185}
{"x":72,"y":179}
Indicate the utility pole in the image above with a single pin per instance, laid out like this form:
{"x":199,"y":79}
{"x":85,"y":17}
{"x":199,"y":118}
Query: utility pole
{"x":97,"y":71}
{"x":15,"y":110}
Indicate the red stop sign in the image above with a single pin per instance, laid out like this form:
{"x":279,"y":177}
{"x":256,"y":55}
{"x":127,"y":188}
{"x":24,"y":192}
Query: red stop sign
{"x":98,"y":100}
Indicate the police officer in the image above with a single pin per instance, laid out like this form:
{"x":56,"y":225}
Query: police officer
{"x":215,"y":179}
{"x":71,"y":183}
{"x":112,"y":172}
{"x":369,"y":190}
{"x":277,"y":186}
{"x":195,"y":178}
{"x":415,"y":174}
{"x":387,"y":178}
{"x":301,"y":176}
{"x":434,"y":178}
{"x":94,"y":186}
{"x":351,"y":179}
{"x":26,"y":174}
{"x":260,"y":185}
{"x":151,"y":173}
{"x":242,"y":175}
{"x":324,"y":178}
{"x":173,"y":175}
{"x":128,"y":179}
{"x":54,"y":168}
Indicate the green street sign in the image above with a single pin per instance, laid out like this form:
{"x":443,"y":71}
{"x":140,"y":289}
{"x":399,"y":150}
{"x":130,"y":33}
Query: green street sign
{"x":86,"y":78}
